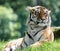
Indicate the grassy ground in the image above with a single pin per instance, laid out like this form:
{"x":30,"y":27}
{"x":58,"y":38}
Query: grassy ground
{"x":2,"y":45}
{"x":55,"y":46}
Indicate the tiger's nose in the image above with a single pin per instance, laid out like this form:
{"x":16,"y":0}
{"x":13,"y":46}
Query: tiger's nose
{"x":43,"y":18}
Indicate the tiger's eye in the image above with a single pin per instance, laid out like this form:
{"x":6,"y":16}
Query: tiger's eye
{"x":44,"y":13}
{"x":33,"y":17}
{"x":33,"y":9}
{"x":38,"y":8}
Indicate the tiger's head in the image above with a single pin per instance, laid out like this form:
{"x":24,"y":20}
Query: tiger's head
{"x":40,"y":12}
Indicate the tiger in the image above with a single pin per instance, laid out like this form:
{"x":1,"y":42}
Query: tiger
{"x":38,"y":28}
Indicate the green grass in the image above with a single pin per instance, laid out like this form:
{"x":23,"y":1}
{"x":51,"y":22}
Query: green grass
{"x":2,"y":43}
{"x":54,"y":46}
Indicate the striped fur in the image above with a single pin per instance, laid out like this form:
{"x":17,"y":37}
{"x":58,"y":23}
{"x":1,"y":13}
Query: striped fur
{"x":38,"y":27}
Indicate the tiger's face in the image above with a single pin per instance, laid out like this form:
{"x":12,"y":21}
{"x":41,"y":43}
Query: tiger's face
{"x":40,"y":12}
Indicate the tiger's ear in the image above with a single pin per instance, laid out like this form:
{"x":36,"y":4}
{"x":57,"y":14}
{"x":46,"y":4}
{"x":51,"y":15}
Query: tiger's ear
{"x":31,"y":9}
{"x":49,"y":11}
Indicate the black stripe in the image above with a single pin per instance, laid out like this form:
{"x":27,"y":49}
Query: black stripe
{"x":40,"y":30}
{"x":10,"y":49}
{"x":31,"y":28}
{"x":40,"y":37}
{"x":30,"y":15}
{"x":25,"y":43}
{"x":30,"y":36}
{"x":21,"y":46}
{"x":36,"y":33}
{"x":30,"y":18}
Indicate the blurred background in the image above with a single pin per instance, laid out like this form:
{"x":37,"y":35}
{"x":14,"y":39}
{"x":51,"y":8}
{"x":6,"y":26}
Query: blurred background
{"x":13,"y":15}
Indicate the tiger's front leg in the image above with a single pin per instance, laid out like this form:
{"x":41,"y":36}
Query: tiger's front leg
{"x":48,"y":37}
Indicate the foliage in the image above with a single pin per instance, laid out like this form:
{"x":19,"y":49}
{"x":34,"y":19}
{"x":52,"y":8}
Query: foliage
{"x":14,"y":15}
{"x":56,"y":31}
{"x":6,"y":17}
{"x":2,"y":43}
